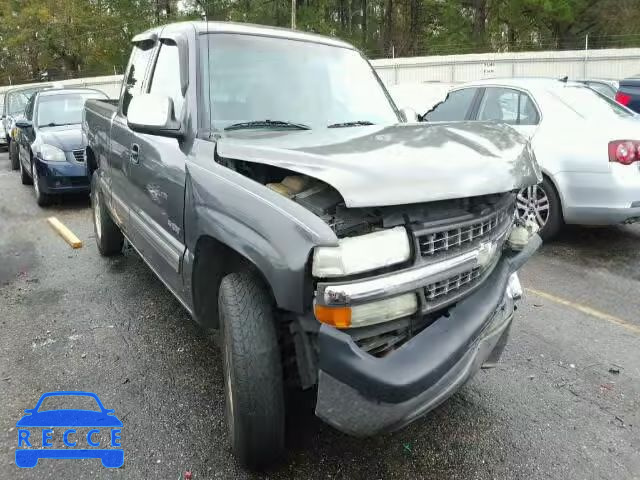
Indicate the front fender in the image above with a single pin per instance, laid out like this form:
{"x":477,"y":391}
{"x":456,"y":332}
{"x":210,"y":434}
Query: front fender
{"x":272,"y":232}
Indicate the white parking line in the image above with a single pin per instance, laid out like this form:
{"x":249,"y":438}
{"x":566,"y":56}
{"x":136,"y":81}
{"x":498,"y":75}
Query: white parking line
{"x":588,"y":310}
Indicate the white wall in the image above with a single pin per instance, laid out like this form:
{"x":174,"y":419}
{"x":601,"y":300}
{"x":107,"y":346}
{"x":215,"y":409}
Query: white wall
{"x":609,"y":63}
{"x":108,"y":84}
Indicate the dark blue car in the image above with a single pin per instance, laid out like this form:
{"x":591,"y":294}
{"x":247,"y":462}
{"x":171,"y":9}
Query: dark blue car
{"x":51,"y":149}
{"x":32,"y":445}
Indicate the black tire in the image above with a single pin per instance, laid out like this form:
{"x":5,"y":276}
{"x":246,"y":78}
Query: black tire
{"x":109,"y":237}
{"x":24,"y":175}
{"x":252,"y":364}
{"x":13,"y":155}
{"x":556,"y":220}
{"x":42,"y":199}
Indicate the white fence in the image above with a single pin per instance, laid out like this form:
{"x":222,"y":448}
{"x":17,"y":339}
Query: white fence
{"x":108,"y":84}
{"x":609,"y":63}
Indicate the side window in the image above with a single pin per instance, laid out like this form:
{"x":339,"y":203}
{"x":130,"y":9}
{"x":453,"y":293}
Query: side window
{"x":508,"y":106}
{"x":455,"y":107}
{"x":528,"y":111}
{"x":166,"y":76}
{"x":28,"y":111}
{"x":132,"y":84}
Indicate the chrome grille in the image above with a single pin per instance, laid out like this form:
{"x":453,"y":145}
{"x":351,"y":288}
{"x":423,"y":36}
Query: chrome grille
{"x":78,"y":155}
{"x":439,"y":289}
{"x":452,"y":238}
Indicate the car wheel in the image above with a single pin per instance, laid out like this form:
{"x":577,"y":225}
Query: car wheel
{"x":42,"y":199}
{"x":13,"y":155}
{"x":252,"y":367}
{"x":541,"y":203}
{"x":24,"y":176}
{"x":109,"y":237}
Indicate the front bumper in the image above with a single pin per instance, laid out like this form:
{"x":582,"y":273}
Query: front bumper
{"x":363,"y":395}
{"x":62,"y":177}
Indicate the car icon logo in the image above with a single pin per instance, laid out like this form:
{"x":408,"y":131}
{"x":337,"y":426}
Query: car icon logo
{"x":69,"y":433}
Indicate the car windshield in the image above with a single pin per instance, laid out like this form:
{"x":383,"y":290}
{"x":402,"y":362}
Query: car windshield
{"x":63,"y":109}
{"x":16,"y":101}
{"x":253,"y":79}
{"x":589,"y":103}
{"x":69,"y":402}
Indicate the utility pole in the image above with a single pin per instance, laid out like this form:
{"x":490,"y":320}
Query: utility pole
{"x":293,"y":14}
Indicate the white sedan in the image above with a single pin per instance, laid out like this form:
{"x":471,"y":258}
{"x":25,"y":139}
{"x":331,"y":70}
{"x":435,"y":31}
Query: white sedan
{"x":587,"y":145}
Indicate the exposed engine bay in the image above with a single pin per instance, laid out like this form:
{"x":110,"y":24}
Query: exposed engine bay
{"x":326,"y":202}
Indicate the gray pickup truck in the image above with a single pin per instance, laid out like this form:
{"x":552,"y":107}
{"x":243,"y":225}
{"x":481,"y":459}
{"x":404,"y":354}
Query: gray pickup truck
{"x":268,"y":179}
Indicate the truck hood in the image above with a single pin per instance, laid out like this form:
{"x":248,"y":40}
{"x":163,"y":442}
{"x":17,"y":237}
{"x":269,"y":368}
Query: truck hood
{"x":398,"y":164}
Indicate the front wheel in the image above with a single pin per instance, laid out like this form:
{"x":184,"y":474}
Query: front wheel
{"x":253,"y":384}
{"x":24,"y":176}
{"x":108,"y":235}
{"x":13,"y":155}
{"x":42,"y":199}
{"x":541,"y":203}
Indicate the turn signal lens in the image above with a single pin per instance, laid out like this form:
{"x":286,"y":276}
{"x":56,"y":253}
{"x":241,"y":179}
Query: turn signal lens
{"x":339,"y":317}
{"x":624,"y":151}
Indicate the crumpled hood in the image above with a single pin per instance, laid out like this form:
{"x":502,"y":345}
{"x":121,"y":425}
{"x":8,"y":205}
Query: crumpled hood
{"x":66,"y":137}
{"x":396,"y":165}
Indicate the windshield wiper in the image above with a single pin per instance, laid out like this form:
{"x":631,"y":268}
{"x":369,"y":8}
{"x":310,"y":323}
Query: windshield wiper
{"x":356,"y":123}
{"x":268,"y":124}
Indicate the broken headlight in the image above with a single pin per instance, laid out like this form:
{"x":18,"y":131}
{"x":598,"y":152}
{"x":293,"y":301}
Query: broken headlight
{"x":362,"y":253}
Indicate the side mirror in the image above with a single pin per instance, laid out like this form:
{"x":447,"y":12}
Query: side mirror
{"x":23,"y":123}
{"x":153,"y":114}
{"x":409,"y":115}
{"x":29,"y":410}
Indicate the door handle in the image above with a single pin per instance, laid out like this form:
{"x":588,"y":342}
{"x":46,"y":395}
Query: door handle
{"x":134,"y":153}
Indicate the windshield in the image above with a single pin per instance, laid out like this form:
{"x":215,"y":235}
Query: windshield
{"x":250,"y":78}
{"x":16,"y":101}
{"x":63,"y":109}
{"x":589,"y":103}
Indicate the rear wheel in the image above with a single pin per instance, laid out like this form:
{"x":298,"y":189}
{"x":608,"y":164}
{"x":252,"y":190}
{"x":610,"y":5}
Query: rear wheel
{"x":541,"y":203}
{"x":252,"y":370}
{"x":109,"y":237}
{"x":13,"y":155}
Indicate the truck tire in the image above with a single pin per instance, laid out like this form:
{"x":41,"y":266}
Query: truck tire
{"x":252,"y":366}
{"x":109,"y":237}
{"x":13,"y":155}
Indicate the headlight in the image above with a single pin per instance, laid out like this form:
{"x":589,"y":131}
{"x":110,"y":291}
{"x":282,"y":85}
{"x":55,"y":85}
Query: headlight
{"x":368,"y":313}
{"x":49,"y":153}
{"x":361,"y":254}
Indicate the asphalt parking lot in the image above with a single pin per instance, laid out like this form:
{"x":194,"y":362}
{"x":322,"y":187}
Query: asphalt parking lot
{"x":564,"y":403}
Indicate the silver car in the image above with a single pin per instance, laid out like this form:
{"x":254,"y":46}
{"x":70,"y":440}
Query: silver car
{"x":587,"y":145}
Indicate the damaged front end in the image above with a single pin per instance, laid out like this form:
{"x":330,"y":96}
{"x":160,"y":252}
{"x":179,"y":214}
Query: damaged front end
{"x":411,"y":300}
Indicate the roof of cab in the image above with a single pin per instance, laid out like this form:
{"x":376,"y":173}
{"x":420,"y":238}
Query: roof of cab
{"x":247,"y":29}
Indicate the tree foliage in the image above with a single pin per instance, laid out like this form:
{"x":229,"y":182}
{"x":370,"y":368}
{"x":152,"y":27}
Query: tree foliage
{"x":53,"y":39}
